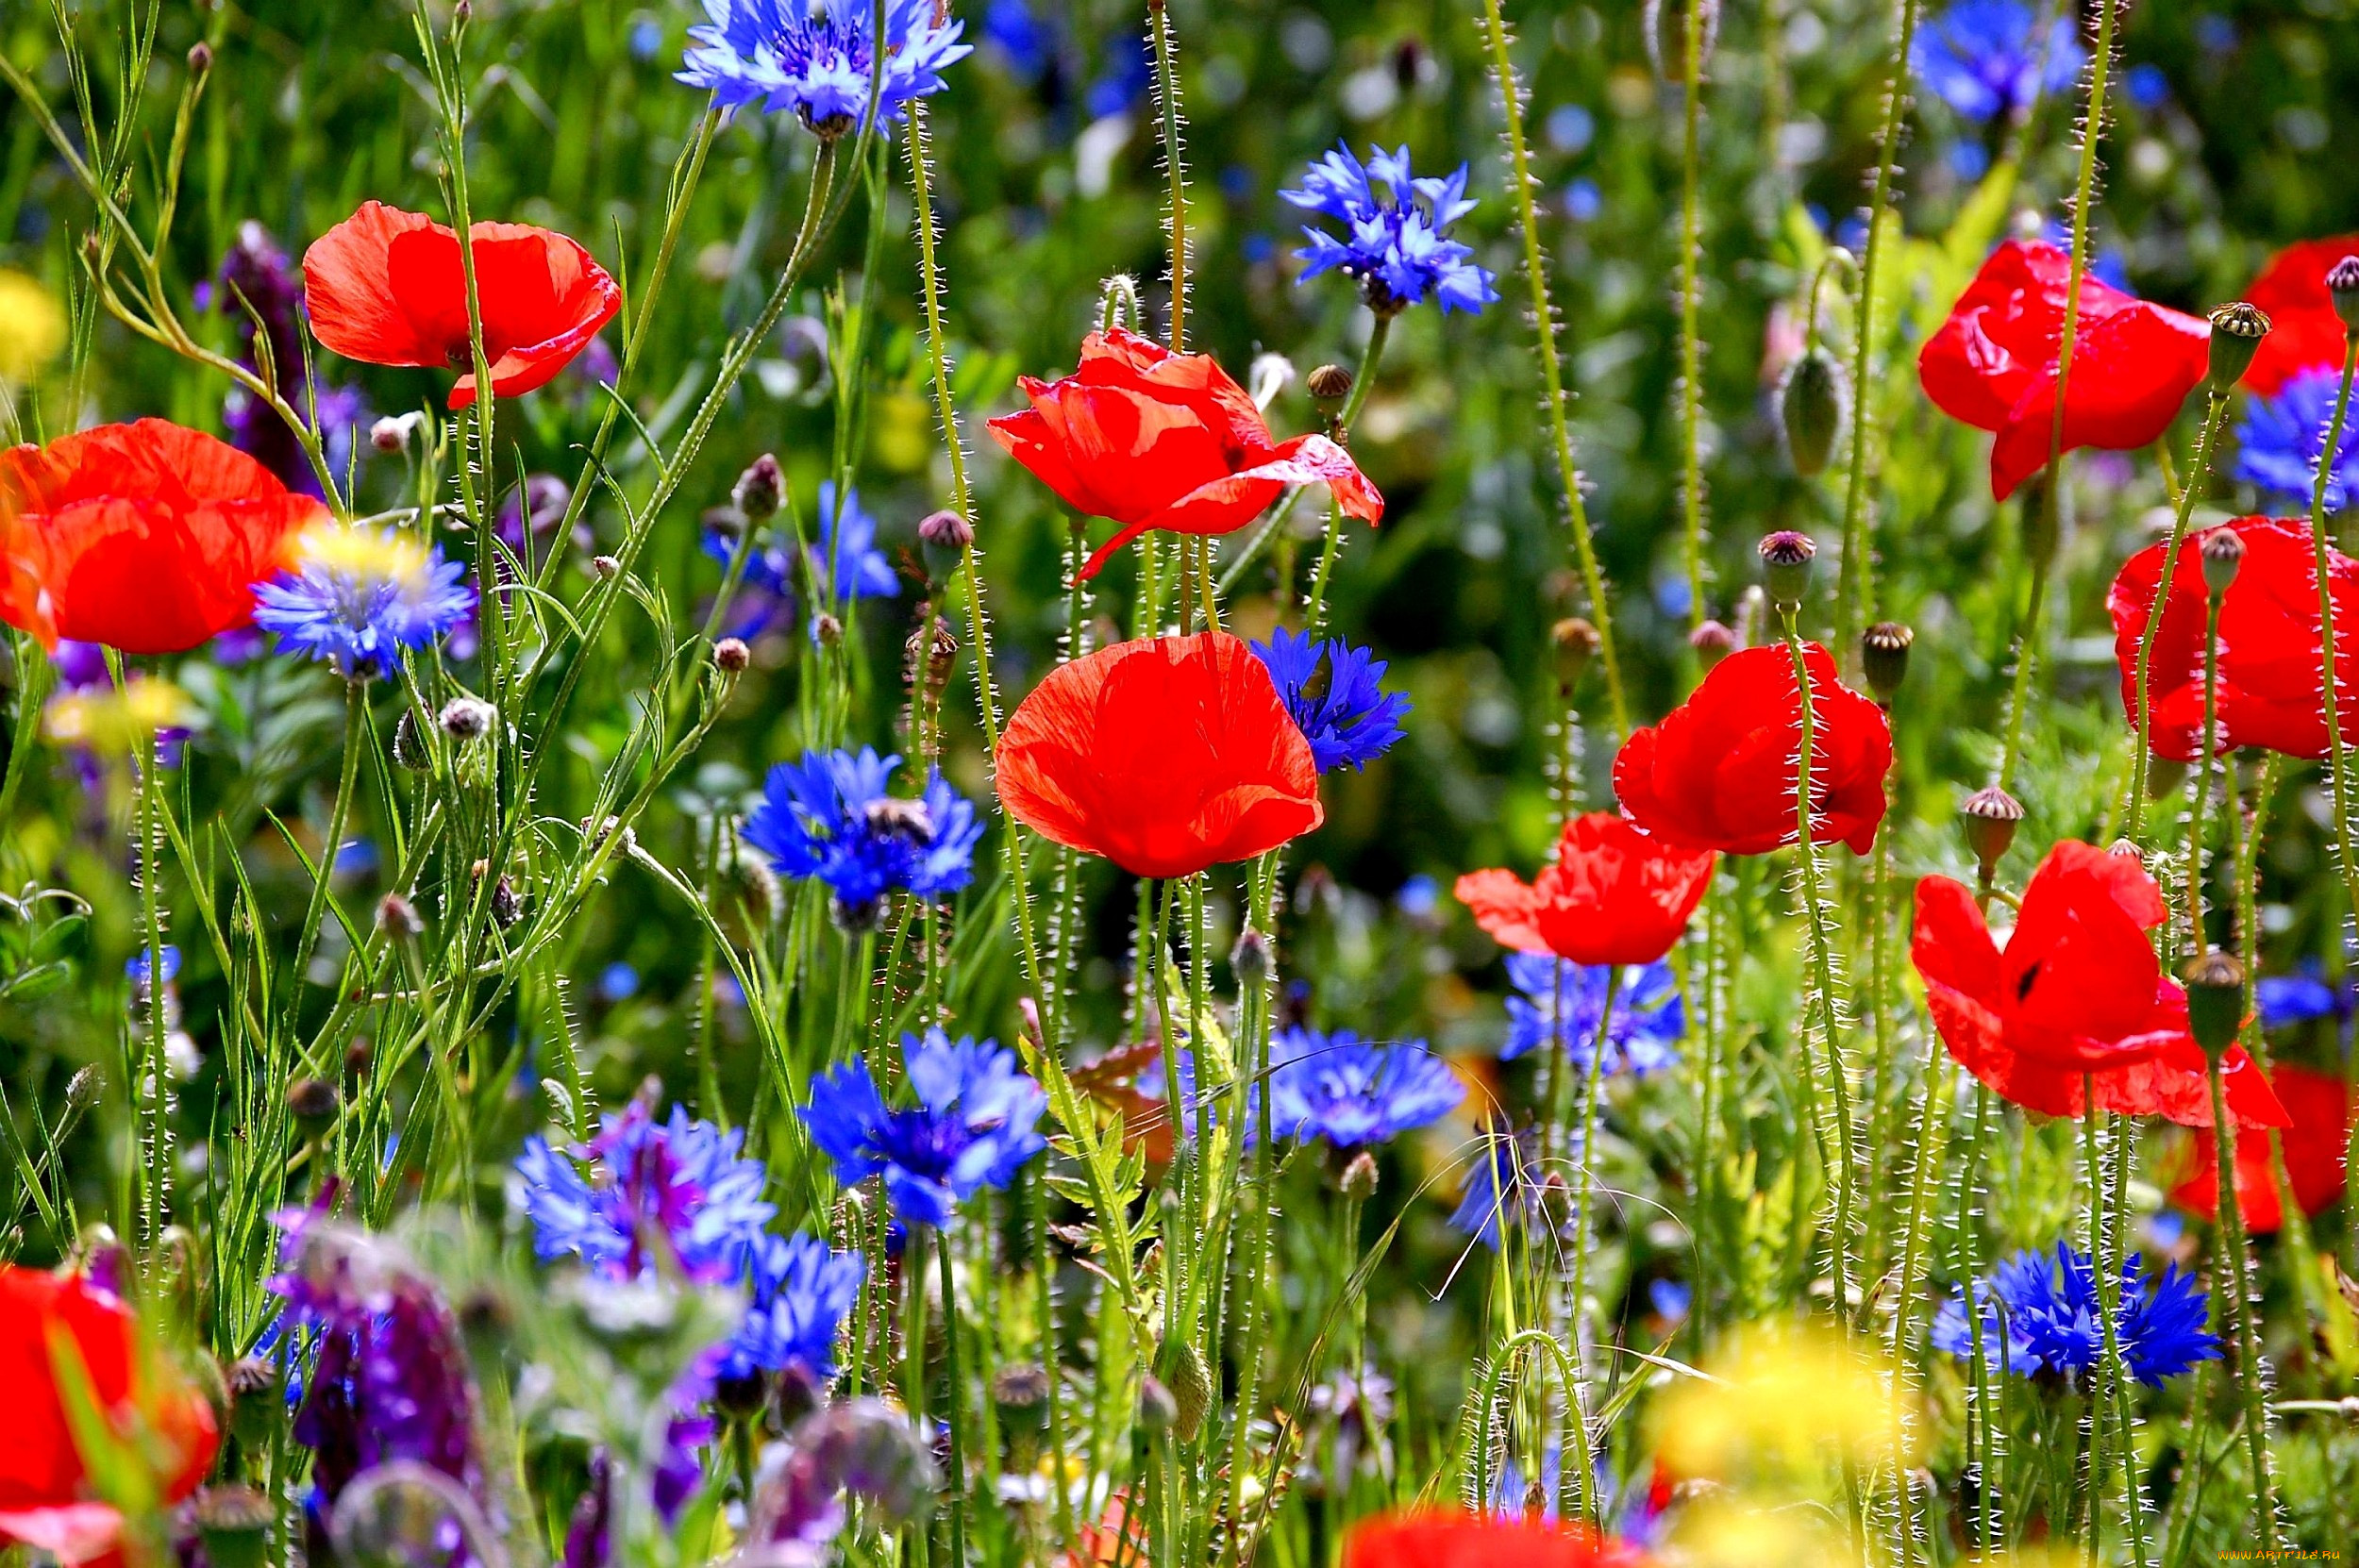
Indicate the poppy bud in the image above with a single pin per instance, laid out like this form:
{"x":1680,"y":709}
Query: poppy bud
{"x":409,"y":745}
{"x":1666,"y":36}
{"x":945,"y":530}
{"x":1329,"y":383}
{"x":731,"y":655}
{"x":1713,"y":642}
{"x":200,"y":57}
{"x":2223,"y":552}
{"x":2214,"y":999}
{"x":1359,"y":1177}
{"x":312,"y":1104}
{"x":1250,"y":958}
{"x":1159,"y":1412}
{"x":1810,"y":408}
{"x":759,"y":489}
{"x":605,"y":568}
{"x":827,"y":629}
{"x":2342,"y":285}
{"x":234,"y":1523}
{"x":468,"y":718}
{"x":1576,"y":642}
{"x":462,"y":12}
{"x":507,"y":909}
{"x":2236,"y":333}
{"x":398,"y":918}
{"x":1991,"y":816}
{"x":1181,"y":1367}
{"x":1785,"y":558}
{"x":2163,"y":774}
{"x":1883,"y":655}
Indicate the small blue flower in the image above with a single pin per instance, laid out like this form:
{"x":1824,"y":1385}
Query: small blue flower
{"x":2279,"y":443}
{"x":1987,"y":59}
{"x":1351,"y":1091}
{"x":609,"y":1201}
{"x":845,"y":560}
{"x":141,"y":965}
{"x":2041,"y":1315}
{"x":831,"y":815}
{"x":617,"y":982}
{"x":972,"y":1128}
{"x":1129,"y":70}
{"x":1397,"y":245}
{"x":1670,"y":1299}
{"x":815,"y":57}
{"x":764,"y":599}
{"x":359,"y":598}
{"x":2286,"y":1000}
{"x":1348,"y":719}
{"x":1506,"y":1184}
{"x":1022,"y":40}
{"x":1649,"y":1015}
{"x":799,"y":1292}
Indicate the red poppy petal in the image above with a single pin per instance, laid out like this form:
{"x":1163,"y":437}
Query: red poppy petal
{"x":1504,"y":904}
{"x":349,"y":296}
{"x":1950,"y":942}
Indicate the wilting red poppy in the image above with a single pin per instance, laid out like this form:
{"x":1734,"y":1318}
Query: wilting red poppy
{"x":389,"y":287}
{"x":1612,"y":895}
{"x":2269,"y":672}
{"x":2076,"y":993}
{"x":1450,"y":1539}
{"x":2304,"y":331}
{"x":1718,"y":772}
{"x":1165,"y":755}
{"x":148,"y":538}
{"x":1993,"y":363}
{"x":2316,"y":1146}
{"x":43,"y":1495}
{"x":1157,"y":439}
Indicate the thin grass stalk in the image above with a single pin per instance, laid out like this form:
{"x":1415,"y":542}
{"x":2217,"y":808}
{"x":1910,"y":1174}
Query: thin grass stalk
{"x":2214,"y":409}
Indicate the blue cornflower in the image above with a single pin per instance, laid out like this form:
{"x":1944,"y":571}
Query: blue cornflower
{"x":1986,"y":58}
{"x":815,"y":57}
{"x":2279,"y":443}
{"x":971,"y":1128}
{"x":764,"y":600}
{"x":1505,"y":1183}
{"x":2040,"y":1317}
{"x":1649,"y":1015}
{"x":845,"y":560}
{"x":1024,"y":42}
{"x":141,"y":965}
{"x":1398,"y":245}
{"x":359,"y":598}
{"x":799,"y":1291}
{"x":1129,"y":70}
{"x":1351,"y":1092}
{"x":1348,"y":719}
{"x":607,"y":1201}
{"x":830,"y":815}
{"x":2284,"y":1000}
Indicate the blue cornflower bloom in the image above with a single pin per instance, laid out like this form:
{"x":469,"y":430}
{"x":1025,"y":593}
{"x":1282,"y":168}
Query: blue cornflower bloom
{"x":831,"y":815}
{"x":1649,"y":1015}
{"x":799,"y":1292}
{"x":359,"y":598}
{"x":2279,"y":443}
{"x":2284,"y":1000}
{"x":1348,"y":719}
{"x":1398,"y":243}
{"x":1505,"y":1183}
{"x":1024,"y":42}
{"x":2041,"y":1317}
{"x":608,"y":1201}
{"x":1129,"y":70}
{"x":764,"y":600}
{"x":141,"y":965}
{"x":972,"y":1128}
{"x":815,"y":57}
{"x":845,"y":560}
{"x":1351,"y":1092}
{"x":1986,"y":58}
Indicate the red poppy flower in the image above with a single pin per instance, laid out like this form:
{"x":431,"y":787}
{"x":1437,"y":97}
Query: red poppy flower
{"x":1718,"y":772}
{"x":2270,"y":674}
{"x":2076,"y":993}
{"x":1449,"y":1539}
{"x":2304,"y":331}
{"x":2316,"y":1145}
{"x":148,"y":538}
{"x":43,"y":1473}
{"x":1993,"y":363}
{"x":1165,"y":755}
{"x":1157,"y":439}
{"x":389,"y":287}
{"x":1612,"y":895}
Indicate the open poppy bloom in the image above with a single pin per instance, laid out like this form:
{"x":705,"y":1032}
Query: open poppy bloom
{"x":1718,"y":772}
{"x":1165,"y":755}
{"x":2317,"y":1141}
{"x":1157,"y":439}
{"x":2269,"y":671}
{"x":1612,"y":895}
{"x":389,"y":287}
{"x":2076,"y":993}
{"x":1450,"y":1538}
{"x":44,"y":1501}
{"x":1993,"y":363}
{"x":148,"y":538}
{"x":2304,"y":331}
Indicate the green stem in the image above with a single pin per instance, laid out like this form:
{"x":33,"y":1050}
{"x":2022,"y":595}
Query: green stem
{"x":2026,"y":661}
{"x":2338,"y":761}
{"x":1314,"y":609}
{"x":2214,"y":410}
{"x":2204,"y":774}
{"x":1691,"y":334}
{"x":2251,"y":1379}
{"x":954,"y":1391}
{"x":1585,"y":1237}
{"x":1175,"y":163}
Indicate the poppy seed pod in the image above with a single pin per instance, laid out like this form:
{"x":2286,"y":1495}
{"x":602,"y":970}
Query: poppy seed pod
{"x":1884,"y":650}
{"x":759,"y":489}
{"x":2214,"y":999}
{"x":2222,"y":553}
{"x":1712,"y":642}
{"x":1785,"y":559}
{"x":1991,"y":817}
{"x":1329,"y":383}
{"x":234,"y":1523}
{"x":1576,"y":642}
{"x":2236,"y":333}
{"x":1809,"y":411}
{"x":2342,"y":286}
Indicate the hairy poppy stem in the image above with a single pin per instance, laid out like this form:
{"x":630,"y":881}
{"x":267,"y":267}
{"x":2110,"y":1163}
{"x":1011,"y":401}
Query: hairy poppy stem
{"x":1691,"y":331}
{"x":1933,"y":1126}
{"x":1314,"y":609}
{"x":1585,"y":1233}
{"x":2252,"y":1374}
{"x":2141,"y":758}
{"x":1175,"y":163}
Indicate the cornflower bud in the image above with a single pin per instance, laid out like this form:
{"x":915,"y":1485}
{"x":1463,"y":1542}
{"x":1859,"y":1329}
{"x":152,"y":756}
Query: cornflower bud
{"x":83,"y":1089}
{"x":1810,"y":409}
{"x":1576,"y":642}
{"x":759,"y":489}
{"x":1712,"y":642}
{"x":945,"y":530}
{"x":391,"y":434}
{"x":398,"y":918}
{"x":1991,"y":817}
{"x":605,"y":568}
{"x":2214,"y":999}
{"x":358,"y":1058}
{"x":468,"y":718}
{"x":730,"y":656}
{"x":2236,"y":333}
{"x":2342,"y":286}
{"x":829,"y":630}
{"x":409,"y":745}
{"x":200,"y":57}
{"x":1159,"y":1412}
{"x":2223,"y":552}
{"x":1785,"y":558}
{"x":1359,"y":1177}
{"x":1250,"y":958}
{"x":312,"y":1103}
{"x":1884,"y":650}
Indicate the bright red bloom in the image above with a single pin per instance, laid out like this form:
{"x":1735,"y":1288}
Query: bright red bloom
{"x":1165,"y":755}
{"x":389,"y":287}
{"x":1157,"y":439}
{"x":2316,"y":1145}
{"x":1718,"y":772}
{"x":2269,"y":672}
{"x":1449,"y":1539}
{"x":1612,"y":895}
{"x":148,"y":538}
{"x":2076,"y":992}
{"x":44,"y":1499}
{"x":2304,"y":331}
{"x":1993,"y":363}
